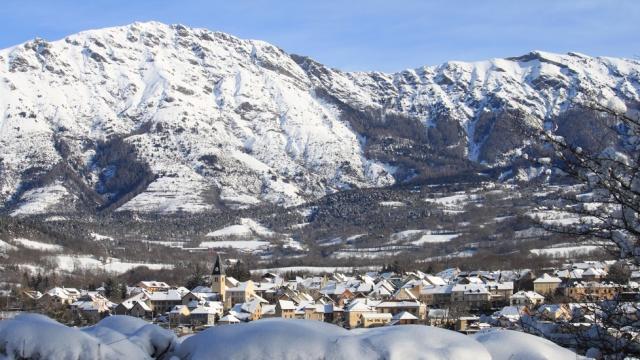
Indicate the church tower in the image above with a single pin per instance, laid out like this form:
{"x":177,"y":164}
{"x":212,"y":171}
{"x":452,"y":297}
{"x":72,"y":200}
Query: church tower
{"x":218,"y":278}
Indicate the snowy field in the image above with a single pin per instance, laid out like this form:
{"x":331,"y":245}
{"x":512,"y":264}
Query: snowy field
{"x":40,"y":200}
{"x":421,"y":237}
{"x":5,"y":246}
{"x":242,"y":245}
{"x":71,"y":263}
{"x":247,"y":227}
{"x":311,"y":269}
{"x":37,"y":245}
{"x":566,"y":251}
{"x":123,"y":337}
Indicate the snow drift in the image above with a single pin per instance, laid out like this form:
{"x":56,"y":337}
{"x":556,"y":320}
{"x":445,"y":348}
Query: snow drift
{"x":303,"y":339}
{"x":509,"y":344}
{"x":122,"y":337}
{"x":33,"y":336}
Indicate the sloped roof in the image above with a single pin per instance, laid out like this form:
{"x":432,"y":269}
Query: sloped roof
{"x":546,"y":278}
{"x":229,"y":318}
{"x":405,"y":315}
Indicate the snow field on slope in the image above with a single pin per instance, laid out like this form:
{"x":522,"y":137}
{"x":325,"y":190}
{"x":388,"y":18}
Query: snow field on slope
{"x":247,"y":227}
{"x":40,"y":200}
{"x":37,"y":245}
{"x":243,"y":245}
{"x":421,"y":237}
{"x":70,"y":263}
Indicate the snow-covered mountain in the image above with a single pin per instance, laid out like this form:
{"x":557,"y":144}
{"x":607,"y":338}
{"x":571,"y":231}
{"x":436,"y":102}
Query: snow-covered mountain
{"x":157,"y":118}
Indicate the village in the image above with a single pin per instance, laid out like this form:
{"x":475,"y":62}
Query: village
{"x":463,"y":301}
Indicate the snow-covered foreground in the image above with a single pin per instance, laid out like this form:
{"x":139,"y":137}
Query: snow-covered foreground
{"x":120,"y":337}
{"x":33,"y":336}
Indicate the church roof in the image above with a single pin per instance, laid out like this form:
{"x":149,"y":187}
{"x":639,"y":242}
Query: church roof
{"x":218,"y":267}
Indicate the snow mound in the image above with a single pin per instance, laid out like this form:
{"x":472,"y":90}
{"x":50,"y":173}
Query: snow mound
{"x":514,"y":345}
{"x":36,"y":336}
{"x":305,"y":339}
{"x":135,"y":335}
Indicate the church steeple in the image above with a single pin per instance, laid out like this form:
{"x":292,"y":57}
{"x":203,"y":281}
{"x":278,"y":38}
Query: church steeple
{"x":218,"y":279}
{"x":218,"y":267}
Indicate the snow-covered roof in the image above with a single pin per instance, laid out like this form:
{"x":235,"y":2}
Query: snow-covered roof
{"x":201,"y":310}
{"x":438,"y":289}
{"x":532,"y":295}
{"x":286,"y":305}
{"x":154,"y":284}
{"x":470,"y":288}
{"x":229,"y":318}
{"x":374,"y":315}
{"x":546,"y":278}
{"x":405,"y":315}
{"x":396,"y":304}
{"x":357,"y":306}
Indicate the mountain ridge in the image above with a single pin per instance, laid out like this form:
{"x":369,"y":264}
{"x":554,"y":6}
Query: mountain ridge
{"x":158,"y":118}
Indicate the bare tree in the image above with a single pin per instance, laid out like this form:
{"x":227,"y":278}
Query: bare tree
{"x":607,"y":195}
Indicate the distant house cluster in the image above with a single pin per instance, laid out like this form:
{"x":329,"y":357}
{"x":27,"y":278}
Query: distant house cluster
{"x":452,"y":298}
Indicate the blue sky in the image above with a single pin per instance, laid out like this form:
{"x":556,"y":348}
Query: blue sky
{"x":360,"y":34}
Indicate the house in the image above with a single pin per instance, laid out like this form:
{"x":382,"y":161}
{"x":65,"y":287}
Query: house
{"x":314,"y":312}
{"x":546,"y":284}
{"x":285,"y":309}
{"x":333,"y":313}
{"x":512,"y":312}
{"x":189,"y":297}
{"x":526,"y":298}
{"x":472,"y":295}
{"x":470,"y":324}
{"x":125,"y":307}
{"x":594,"y":274}
{"x":404,"y":294}
{"x":91,"y":306}
{"x":436,"y":295}
{"x":383,"y":289}
{"x":415,"y":307}
{"x":250,"y":310}
{"x":500,"y":292}
{"x":569,"y":275}
{"x":555,"y":312}
{"x":353,"y":313}
{"x":205,"y":315}
{"x":179,"y":315}
{"x":581,"y":291}
{"x":239,"y":294}
{"x":59,"y":296}
{"x":368,"y":320}
{"x":163,"y":301}
{"x":141,"y":309}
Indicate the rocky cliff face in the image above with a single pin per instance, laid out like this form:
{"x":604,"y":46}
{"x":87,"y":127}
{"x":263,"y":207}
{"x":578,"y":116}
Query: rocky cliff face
{"x":157,"y":118}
